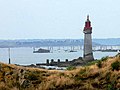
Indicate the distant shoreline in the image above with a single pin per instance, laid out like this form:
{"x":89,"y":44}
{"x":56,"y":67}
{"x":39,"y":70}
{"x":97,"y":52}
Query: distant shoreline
{"x":56,"y":42}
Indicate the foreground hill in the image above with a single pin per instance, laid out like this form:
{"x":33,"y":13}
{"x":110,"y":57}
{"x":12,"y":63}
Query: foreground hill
{"x":103,"y":74}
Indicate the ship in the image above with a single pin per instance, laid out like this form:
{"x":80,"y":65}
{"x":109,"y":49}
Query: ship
{"x":42,"y":51}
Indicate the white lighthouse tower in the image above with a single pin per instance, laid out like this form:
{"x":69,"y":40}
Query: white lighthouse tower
{"x":88,"y":54}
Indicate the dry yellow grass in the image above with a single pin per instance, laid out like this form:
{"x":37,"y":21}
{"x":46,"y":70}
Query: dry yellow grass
{"x":91,"y":77}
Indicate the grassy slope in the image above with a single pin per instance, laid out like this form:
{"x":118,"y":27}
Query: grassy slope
{"x":98,"y":76}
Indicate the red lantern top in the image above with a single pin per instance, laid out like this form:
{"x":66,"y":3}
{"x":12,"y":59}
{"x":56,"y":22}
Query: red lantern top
{"x":87,"y":24}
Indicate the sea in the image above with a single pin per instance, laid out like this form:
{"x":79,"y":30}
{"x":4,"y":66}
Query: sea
{"x":25,"y":55}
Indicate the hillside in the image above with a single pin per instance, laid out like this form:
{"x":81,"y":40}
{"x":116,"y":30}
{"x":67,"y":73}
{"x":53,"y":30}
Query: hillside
{"x":41,"y":42}
{"x":55,"y":42}
{"x":103,"y":74}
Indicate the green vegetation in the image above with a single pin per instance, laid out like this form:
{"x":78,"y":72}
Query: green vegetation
{"x":104,"y":58}
{"x":92,"y":63}
{"x":101,"y":74}
{"x":115,"y":65}
{"x":99,"y":64}
{"x":71,"y":68}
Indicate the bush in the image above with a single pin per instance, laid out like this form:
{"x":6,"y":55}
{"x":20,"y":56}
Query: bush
{"x":104,"y":58}
{"x":99,"y":64}
{"x":115,"y":65}
{"x":32,"y":76}
{"x":110,"y":87}
{"x":91,"y":63}
{"x":71,"y":68}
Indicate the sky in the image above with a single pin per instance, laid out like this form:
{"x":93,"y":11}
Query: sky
{"x":58,"y":19}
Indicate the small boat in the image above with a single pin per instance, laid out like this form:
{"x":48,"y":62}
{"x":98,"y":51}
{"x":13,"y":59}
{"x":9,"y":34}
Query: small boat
{"x":42,"y":51}
{"x":72,"y":51}
{"x":109,"y":50}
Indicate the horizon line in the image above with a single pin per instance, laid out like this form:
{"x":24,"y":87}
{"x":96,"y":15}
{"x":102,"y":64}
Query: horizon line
{"x":55,"y":39}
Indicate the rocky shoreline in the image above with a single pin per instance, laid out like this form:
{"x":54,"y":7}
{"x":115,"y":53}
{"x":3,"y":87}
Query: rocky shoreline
{"x":58,"y":65}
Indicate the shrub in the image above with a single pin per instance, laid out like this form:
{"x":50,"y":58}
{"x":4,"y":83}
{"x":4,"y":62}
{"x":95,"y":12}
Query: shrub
{"x":99,"y":64}
{"x":110,"y":87}
{"x":83,"y":71}
{"x":71,"y":68}
{"x":104,"y":58}
{"x":115,"y":65}
{"x":32,"y":76}
{"x":91,"y":63}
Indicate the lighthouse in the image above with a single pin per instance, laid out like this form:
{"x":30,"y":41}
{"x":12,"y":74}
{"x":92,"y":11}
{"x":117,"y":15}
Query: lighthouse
{"x":88,"y":54}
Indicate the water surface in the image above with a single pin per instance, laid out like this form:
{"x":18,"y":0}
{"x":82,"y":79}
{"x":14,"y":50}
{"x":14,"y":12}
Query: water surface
{"x":26,"y":56}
